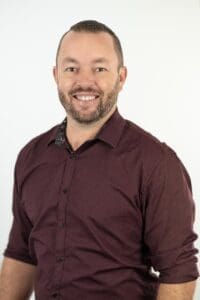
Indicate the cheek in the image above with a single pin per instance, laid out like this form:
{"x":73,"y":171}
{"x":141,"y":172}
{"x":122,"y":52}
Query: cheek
{"x":106,"y":85}
{"x":65,"y":85}
{"x":111,"y":87}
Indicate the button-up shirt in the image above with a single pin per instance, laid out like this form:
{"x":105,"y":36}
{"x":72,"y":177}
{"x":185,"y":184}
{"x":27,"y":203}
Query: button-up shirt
{"x":97,"y":221}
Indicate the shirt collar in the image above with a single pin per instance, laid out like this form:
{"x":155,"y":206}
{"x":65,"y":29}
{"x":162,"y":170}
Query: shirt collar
{"x":110,"y":132}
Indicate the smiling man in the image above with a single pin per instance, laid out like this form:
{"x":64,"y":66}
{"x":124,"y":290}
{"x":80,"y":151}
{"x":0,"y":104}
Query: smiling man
{"x":98,"y":202}
{"x":89,"y":75}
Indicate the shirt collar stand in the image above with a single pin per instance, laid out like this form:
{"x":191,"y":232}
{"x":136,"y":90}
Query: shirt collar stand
{"x":110,"y":132}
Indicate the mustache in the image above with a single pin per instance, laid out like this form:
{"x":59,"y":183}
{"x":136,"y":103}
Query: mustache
{"x":86,"y":90}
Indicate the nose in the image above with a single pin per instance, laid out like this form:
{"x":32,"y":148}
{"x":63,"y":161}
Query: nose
{"x":85,"y":77}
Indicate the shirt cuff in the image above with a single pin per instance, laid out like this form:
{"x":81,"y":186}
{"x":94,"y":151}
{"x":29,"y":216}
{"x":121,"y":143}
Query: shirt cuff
{"x":179,"y":273}
{"x":20,"y":257}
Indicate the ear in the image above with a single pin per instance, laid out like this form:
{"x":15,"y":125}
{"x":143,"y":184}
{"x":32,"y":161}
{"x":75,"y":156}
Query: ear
{"x":55,"y":74}
{"x":122,"y":76}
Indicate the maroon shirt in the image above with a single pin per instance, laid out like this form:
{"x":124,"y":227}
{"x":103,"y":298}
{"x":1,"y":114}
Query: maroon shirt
{"x":96,"y":220}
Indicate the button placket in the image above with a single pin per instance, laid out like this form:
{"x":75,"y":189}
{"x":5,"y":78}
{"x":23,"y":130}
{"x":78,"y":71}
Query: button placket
{"x":60,"y":251}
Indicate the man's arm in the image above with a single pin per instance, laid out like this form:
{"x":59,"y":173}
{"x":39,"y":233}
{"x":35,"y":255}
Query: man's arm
{"x":169,"y":213}
{"x":180,"y":291}
{"x":16,"y":280}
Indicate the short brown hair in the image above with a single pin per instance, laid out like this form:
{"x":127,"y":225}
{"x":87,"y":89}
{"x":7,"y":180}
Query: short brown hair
{"x":94,"y":26}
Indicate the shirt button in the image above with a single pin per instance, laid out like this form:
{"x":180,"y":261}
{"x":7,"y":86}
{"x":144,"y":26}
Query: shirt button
{"x":61,"y":224}
{"x":73,"y":155}
{"x":65,"y":190}
{"x":54,"y":295}
{"x":60,"y":259}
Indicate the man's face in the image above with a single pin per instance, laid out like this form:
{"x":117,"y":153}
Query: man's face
{"x":87,"y":75}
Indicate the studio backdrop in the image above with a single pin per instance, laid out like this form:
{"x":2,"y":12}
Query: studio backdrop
{"x":161,"y":43}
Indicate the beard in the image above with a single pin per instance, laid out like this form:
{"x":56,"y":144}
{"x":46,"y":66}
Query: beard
{"x":105,"y":104}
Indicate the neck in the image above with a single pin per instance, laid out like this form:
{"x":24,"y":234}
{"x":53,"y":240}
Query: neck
{"x":78,"y":133}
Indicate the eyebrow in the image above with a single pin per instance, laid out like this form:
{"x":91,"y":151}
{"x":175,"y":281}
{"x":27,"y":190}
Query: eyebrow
{"x":73,"y":60}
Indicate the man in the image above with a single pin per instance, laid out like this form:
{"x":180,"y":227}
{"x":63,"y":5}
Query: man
{"x":98,"y":202}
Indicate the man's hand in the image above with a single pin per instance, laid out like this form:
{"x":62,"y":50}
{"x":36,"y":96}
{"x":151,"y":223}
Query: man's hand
{"x":179,"y":291}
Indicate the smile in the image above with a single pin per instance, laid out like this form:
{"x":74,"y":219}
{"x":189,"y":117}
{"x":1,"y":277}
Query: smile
{"x":85,"y":97}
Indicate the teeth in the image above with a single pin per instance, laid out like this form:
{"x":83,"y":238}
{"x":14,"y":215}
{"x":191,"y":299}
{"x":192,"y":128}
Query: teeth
{"x":85,"y":98}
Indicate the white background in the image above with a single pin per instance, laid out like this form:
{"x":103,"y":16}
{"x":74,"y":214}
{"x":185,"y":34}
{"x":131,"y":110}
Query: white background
{"x":161,"y":42}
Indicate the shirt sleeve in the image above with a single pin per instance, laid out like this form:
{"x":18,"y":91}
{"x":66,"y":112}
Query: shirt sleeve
{"x":18,"y":241}
{"x":169,"y":212}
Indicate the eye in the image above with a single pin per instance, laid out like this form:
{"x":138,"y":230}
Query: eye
{"x":70,"y":69}
{"x":101,"y":69}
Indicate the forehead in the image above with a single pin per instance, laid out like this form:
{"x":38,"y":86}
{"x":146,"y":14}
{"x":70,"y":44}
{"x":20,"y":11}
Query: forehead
{"x":88,"y":45}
